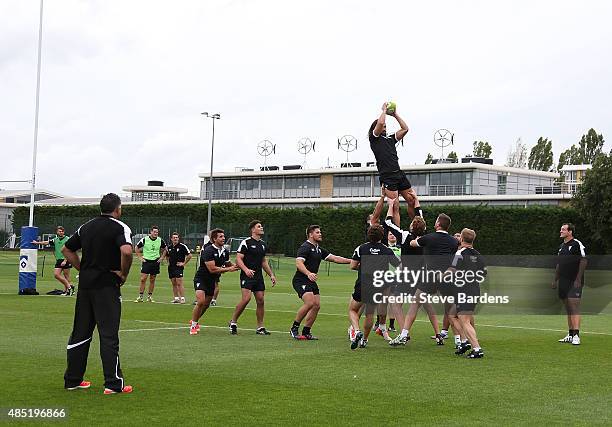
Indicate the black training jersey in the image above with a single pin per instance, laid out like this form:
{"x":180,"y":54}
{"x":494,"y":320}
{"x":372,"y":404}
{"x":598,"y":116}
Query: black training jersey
{"x":254,"y":252}
{"x":312,"y":256}
{"x":438,"y":248}
{"x":469,"y":259}
{"x":177,"y":253}
{"x":568,"y":259}
{"x":411,"y":257}
{"x":99,"y":241}
{"x":373,"y":257}
{"x":211,"y":253}
{"x":383,"y":147}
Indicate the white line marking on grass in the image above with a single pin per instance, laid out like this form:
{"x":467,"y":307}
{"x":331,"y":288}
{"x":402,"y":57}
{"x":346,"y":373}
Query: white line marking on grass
{"x":346,"y":315}
{"x":187,"y":327}
{"x":268,"y":292}
{"x":153,"y":329}
{"x":536,"y":329}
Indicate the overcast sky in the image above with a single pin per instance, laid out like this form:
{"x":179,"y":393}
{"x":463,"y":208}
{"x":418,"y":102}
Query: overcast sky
{"x":124,"y":82}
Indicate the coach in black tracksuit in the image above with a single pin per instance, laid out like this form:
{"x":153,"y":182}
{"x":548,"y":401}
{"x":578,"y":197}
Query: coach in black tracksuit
{"x":105,"y":262}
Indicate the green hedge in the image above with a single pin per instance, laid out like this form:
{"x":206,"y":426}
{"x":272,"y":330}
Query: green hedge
{"x":533,"y":230}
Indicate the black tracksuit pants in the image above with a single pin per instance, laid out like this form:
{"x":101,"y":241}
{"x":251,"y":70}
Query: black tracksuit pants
{"x":99,"y":307}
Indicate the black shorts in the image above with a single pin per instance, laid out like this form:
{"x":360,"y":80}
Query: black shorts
{"x":394,"y":181}
{"x":467,"y":291}
{"x":367,"y":294}
{"x":206,"y":285}
{"x":175,"y":272}
{"x":150,"y":267}
{"x":301,"y":288}
{"x":253,"y":285}
{"x":403,"y":289}
{"x":430,"y":288}
{"x":58,"y":264}
{"x":567,"y":289}
{"x":447,"y":289}
{"x":356,"y":295}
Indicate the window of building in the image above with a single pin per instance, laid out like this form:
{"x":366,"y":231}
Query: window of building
{"x":352,"y":186}
{"x":501,"y":184}
{"x":302,"y":186}
{"x":249,"y":188}
{"x":452,"y":183}
{"x":271,"y":188}
{"x":223,"y":188}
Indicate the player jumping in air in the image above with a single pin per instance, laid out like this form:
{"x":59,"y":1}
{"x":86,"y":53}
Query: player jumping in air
{"x":391,"y":176}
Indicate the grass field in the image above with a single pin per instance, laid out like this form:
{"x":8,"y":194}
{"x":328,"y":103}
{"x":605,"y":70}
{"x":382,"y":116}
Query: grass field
{"x":213,"y":378}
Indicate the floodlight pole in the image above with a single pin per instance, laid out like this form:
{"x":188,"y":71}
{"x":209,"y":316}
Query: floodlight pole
{"x":40,"y":31}
{"x":214,"y":117}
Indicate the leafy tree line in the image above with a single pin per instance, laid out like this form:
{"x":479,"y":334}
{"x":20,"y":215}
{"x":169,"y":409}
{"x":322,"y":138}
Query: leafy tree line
{"x":540,"y":156}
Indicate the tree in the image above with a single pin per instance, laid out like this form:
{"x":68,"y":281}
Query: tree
{"x":452,"y":156}
{"x":517,"y":156}
{"x":590,"y":146}
{"x":541,"y":155}
{"x":594,"y":201}
{"x":482,"y":149}
{"x":571,"y":156}
{"x":429,"y":159}
{"x":588,"y":149}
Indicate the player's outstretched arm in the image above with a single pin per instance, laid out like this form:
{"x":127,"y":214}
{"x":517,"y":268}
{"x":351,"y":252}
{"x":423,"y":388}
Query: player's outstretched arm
{"x":400,"y":235}
{"x":212,"y":268}
{"x":338,"y":259}
{"x":403,"y":126}
{"x":41,"y":242}
{"x":380,"y":123}
{"x":378,"y":209}
{"x":355,"y":264}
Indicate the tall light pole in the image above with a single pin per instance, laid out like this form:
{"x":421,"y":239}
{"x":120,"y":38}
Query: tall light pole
{"x":40,"y":31}
{"x":215,"y":116}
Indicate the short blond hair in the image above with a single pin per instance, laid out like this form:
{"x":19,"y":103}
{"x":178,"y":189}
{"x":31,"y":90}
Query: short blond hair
{"x":468,"y":235}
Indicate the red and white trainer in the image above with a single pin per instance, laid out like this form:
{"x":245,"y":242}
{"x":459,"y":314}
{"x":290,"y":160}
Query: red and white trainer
{"x":84,"y":384}
{"x":125,"y":389}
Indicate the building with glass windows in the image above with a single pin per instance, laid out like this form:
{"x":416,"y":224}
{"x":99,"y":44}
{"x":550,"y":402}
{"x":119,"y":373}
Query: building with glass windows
{"x":154,"y":191}
{"x":572,"y":176}
{"x":447,"y":183}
